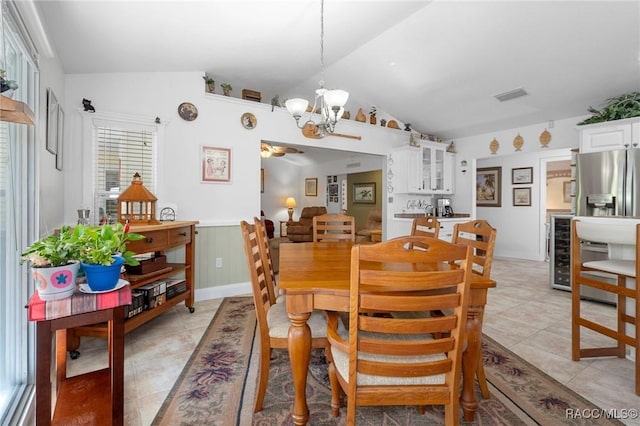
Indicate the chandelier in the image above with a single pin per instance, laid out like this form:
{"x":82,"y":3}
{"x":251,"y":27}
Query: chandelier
{"x":329,"y":102}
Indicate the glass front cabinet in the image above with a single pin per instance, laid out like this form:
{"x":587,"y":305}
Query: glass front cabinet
{"x":430,"y":169}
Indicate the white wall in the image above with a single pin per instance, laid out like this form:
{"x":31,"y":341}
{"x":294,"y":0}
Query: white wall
{"x":51,"y":206}
{"x":218,"y":124}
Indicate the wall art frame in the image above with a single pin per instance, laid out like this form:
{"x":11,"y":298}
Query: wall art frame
{"x":489,"y":187}
{"x":216,"y":164}
{"x":60,"y":138}
{"x":522,"y":197}
{"x":364,"y":193}
{"x":522,"y":175}
{"x":52,"y":122}
{"x":311,"y":187}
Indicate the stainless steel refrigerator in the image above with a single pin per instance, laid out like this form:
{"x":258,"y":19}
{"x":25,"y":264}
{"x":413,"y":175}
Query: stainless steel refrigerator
{"x":607,"y":184}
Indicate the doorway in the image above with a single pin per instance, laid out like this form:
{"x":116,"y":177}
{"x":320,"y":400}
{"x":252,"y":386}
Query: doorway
{"x":558,"y":193}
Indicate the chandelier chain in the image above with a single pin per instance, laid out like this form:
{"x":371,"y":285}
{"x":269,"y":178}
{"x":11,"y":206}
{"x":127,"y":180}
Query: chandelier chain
{"x":321,"y":43}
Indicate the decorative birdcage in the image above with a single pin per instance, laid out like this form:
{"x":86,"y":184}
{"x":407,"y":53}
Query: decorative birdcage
{"x":137,"y":205}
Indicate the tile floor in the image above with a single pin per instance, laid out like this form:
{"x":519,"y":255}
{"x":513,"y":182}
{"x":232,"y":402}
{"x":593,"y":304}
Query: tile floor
{"x":522,"y":313}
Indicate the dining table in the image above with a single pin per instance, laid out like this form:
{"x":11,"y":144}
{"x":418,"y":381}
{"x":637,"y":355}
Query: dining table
{"x":317,"y":276}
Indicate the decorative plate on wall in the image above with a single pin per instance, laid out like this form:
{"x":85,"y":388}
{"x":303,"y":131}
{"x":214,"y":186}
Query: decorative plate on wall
{"x":188,"y":111}
{"x":249,"y":121}
{"x":493,"y":146}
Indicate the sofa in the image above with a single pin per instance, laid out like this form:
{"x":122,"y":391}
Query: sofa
{"x":374,"y":222}
{"x":302,"y":230}
{"x":268,"y":224}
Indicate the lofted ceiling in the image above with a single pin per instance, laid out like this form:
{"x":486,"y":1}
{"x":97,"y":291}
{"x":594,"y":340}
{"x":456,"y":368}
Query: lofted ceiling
{"x":434,"y":64}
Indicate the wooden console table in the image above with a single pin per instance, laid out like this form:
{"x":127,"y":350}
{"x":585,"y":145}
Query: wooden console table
{"x":96,"y":397}
{"x":158,"y":238}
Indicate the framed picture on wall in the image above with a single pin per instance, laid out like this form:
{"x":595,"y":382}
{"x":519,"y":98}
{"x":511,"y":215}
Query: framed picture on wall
{"x":521,"y":196}
{"x":52,"y":122}
{"x":522,"y":175}
{"x":60,"y":138}
{"x":364,"y":193}
{"x":216,"y":164}
{"x":489,"y":187}
{"x":311,"y":187}
{"x":566,"y":191}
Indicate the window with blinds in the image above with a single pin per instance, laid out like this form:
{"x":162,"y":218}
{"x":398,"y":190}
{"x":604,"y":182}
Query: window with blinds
{"x":120,"y":153}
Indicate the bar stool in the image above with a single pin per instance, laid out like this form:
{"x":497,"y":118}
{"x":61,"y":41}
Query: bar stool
{"x":621,"y":236}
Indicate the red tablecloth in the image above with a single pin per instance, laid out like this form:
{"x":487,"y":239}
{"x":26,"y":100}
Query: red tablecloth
{"x":40,"y":310}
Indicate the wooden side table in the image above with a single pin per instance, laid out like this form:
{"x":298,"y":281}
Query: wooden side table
{"x":96,"y":397}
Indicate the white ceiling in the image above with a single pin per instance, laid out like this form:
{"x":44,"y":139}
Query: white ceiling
{"x":434,"y":64}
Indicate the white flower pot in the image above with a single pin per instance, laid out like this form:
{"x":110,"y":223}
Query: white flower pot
{"x":56,"y":282}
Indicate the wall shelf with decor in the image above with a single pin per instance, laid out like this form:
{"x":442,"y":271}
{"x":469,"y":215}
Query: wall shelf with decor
{"x":158,"y":239}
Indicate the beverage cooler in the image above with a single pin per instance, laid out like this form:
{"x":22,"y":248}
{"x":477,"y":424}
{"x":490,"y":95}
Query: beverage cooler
{"x":560,"y":252}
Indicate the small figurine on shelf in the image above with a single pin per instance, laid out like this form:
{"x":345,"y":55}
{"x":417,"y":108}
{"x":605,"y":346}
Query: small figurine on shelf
{"x":407,"y":127}
{"x":372,"y":115}
{"x":451,"y":148}
{"x":209,"y":84}
{"x":383,"y":122}
{"x":226,"y":89}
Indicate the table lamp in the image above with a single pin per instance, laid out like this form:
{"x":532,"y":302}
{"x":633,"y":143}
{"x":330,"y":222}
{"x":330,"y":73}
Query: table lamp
{"x":290,"y":203}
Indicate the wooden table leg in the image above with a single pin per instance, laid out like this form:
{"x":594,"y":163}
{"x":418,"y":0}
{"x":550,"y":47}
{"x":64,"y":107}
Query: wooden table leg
{"x":43,"y":373}
{"x":470,"y":361}
{"x":299,"y":356}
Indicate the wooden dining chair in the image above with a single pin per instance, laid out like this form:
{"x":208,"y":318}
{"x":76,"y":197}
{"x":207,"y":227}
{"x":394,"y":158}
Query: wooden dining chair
{"x":273,"y":322}
{"x":481,"y":237}
{"x":334,"y":227}
{"x":386,"y":360}
{"x":265,"y":253}
{"x":426,"y":226}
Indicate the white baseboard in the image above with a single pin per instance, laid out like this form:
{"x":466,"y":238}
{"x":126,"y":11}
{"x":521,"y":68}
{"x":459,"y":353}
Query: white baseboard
{"x":239,"y":289}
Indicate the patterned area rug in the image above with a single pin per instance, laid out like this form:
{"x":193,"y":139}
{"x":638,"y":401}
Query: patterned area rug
{"x":218,"y":383}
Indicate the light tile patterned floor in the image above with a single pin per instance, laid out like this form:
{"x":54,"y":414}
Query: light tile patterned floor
{"x":523,"y":313}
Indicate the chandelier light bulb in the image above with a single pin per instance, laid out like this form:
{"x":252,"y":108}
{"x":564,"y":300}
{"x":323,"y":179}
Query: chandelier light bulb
{"x":296,"y":106}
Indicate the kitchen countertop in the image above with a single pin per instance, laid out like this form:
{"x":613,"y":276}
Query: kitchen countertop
{"x":415,"y":215}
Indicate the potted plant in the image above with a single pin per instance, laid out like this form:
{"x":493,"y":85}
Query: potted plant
{"x":102,"y":251}
{"x":209,"y":84}
{"x":616,"y":108}
{"x":226,"y":88}
{"x":54,"y":264}
{"x":372,"y":115}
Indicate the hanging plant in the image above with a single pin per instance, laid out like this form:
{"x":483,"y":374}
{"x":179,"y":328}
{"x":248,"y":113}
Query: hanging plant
{"x":617,"y":108}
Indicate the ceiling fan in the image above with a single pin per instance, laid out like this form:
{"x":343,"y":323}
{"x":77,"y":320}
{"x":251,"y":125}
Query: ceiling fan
{"x":267,"y":150}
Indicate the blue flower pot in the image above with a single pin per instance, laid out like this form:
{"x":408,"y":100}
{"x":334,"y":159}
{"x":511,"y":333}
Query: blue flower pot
{"x":102,"y":278}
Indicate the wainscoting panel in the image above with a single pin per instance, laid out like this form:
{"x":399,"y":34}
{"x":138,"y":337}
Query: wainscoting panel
{"x":224,"y":243}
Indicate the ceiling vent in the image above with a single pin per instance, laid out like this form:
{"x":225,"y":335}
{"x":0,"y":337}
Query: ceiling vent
{"x":512,"y":94}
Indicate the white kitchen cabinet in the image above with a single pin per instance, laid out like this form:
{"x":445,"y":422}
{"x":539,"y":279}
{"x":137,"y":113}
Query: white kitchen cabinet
{"x":446,"y":227}
{"x":610,"y":135}
{"x":428,"y":169}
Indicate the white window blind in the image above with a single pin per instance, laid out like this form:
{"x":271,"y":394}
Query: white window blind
{"x":120,"y":153}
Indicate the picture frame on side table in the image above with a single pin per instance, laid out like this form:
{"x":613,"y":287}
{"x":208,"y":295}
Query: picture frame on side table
{"x":216,"y":164}
{"x":311,"y":187}
{"x":521,"y":196}
{"x":522,"y":175}
{"x":364,"y":193}
{"x":489,"y":187}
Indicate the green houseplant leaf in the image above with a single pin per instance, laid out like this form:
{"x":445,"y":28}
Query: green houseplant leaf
{"x":616,"y":108}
